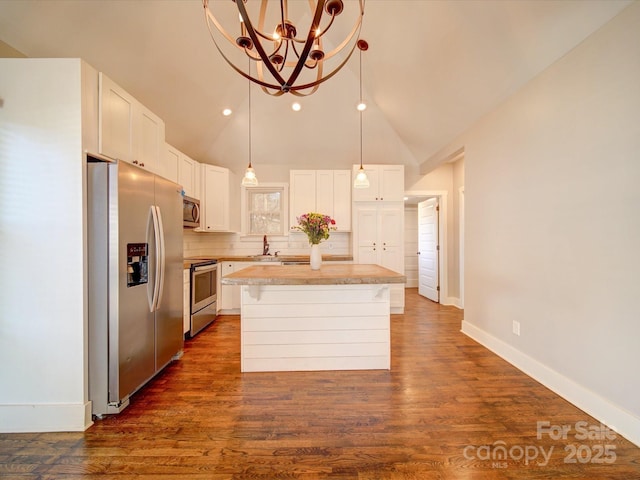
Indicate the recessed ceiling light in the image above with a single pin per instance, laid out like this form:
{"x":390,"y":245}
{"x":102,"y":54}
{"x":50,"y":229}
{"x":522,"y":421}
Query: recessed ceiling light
{"x":226,"y":112}
{"x":296,"y":107}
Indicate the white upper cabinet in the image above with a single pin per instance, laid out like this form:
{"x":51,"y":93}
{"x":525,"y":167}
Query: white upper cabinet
{"x":220,"y":200}
{"x":128,"y":130}
{"x":169,"y":166}
{"x":189,"y":176}
{"x":386,"y":183}
{"x":150,"y":141}
{"x":183,"y":170}
{"x":322,"y":191}
{"x":116,"y":121}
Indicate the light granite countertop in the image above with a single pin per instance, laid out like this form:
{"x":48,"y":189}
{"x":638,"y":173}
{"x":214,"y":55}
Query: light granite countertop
{"x":336,"y":274}
{"x":266,"y":258}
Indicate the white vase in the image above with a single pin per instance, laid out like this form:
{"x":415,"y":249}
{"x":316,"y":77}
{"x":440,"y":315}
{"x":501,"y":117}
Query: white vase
{"x":315,"y":259}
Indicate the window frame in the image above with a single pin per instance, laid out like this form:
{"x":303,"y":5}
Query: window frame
{"x":283,"y":188}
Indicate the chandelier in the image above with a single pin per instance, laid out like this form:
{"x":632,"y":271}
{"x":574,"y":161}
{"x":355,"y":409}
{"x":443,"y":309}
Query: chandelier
{"x":285,"y":61}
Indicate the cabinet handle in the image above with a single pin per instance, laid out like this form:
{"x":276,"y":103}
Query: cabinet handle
{"x":381,"y":198}
{"x":142,"y":164}
{"x":135,"y":162}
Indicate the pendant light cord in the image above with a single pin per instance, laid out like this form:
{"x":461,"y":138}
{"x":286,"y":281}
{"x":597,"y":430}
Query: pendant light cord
{"x":249,"y":83}
{"x":360,"y":111}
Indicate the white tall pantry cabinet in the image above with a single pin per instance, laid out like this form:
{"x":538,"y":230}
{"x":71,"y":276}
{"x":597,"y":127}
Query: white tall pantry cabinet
{"x":378,"y":224}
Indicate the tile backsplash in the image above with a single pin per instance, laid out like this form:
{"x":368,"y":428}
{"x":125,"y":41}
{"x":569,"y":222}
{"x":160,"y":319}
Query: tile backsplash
{"x":197,"y":244}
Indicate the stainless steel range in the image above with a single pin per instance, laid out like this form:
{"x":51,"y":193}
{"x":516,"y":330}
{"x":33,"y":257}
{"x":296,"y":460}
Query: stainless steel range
{"x":204,"y":284}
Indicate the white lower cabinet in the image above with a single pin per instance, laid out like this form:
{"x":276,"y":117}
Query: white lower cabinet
{"x":229,"y":297}
{"x":186,"y":299}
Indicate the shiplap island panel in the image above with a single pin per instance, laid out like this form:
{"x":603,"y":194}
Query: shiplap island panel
{"x":335,"y":318}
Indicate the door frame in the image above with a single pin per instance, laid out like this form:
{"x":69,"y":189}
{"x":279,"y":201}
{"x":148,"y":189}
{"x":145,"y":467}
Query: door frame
{"x":443,"y":203}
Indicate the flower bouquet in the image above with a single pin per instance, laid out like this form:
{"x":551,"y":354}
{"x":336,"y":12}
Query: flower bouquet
{"x":316,"y":225}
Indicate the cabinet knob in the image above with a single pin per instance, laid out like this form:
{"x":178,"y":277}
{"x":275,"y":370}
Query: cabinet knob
{"x":142,"y":164}
{"x":135,"y":162}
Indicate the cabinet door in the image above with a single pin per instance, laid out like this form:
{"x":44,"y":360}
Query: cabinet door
{"x":302,"y":194}
{"x":116,"y":121}
{"x":391,"y":183}
{"x":229,"y":294}
{"x":324,"y":193}
{"x":150,"y":140}
{"x":342,"y":200}
{"x":187,"y":174}
{"x":168,"y":168}
{"x":216,"y":197}
{"x":367,"y":226}
{"x":391,"y":225}
{"x":186,"y":301}
{"x":370,"y":194}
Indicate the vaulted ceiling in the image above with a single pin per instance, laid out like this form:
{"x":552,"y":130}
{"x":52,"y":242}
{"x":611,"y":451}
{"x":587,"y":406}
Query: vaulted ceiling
{"x":433,"y":68}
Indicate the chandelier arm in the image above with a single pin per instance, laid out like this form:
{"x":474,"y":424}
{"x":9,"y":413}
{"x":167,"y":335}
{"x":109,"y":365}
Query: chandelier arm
{"x":209,"y":17}
{"x":322,"y":80}
{"x":252,"y":34}
{"x":307,"y":46}
{"x":325,"y":29}
{"x":356,"y":29}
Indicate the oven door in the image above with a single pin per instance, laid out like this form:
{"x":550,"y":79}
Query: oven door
{"x":204,"y":279}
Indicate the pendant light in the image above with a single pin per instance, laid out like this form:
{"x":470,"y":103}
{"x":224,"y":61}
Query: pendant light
{"x":249,"y":179}
{"x":361,"y":180}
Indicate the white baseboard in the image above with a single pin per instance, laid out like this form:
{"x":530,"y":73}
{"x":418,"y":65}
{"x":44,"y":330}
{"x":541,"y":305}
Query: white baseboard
{"x":593,"y":404}
{"x":65,"y":417}
{"x":453,"y":301}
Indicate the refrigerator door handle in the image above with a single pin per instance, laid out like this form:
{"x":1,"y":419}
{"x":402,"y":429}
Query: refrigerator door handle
{"x":162,"y":257}
{"x":153,"y":305}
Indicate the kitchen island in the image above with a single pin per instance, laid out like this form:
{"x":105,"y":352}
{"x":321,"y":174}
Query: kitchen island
{"x":294,"y":318}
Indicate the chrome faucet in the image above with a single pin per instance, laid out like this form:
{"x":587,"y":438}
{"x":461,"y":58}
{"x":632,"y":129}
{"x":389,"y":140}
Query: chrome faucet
{"x":265,"y":246}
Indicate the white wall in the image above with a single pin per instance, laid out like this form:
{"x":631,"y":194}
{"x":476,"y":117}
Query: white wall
{"x":552,"y":225}
{"x":42,"y":363}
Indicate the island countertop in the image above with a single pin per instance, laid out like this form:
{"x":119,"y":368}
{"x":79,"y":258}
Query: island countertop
{"x":340,"y":274}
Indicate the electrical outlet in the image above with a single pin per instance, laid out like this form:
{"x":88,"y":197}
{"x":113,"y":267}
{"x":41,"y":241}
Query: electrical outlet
{"x":516,"y":327}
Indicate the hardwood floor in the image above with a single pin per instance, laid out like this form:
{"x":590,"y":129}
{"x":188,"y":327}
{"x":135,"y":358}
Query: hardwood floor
{"x":447,"y":410}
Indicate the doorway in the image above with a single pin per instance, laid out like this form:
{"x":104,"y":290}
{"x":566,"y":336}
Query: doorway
{"x":432,"y":270}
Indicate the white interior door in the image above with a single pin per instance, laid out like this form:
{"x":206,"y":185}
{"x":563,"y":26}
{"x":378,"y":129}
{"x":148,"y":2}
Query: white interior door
{"x":428,"y":278}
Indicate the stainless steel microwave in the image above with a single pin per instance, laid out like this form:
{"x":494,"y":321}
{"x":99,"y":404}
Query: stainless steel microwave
{"x":190,"y":212}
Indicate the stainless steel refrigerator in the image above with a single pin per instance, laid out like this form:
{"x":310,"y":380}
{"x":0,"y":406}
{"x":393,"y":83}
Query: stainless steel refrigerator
{"x":135,"y":279}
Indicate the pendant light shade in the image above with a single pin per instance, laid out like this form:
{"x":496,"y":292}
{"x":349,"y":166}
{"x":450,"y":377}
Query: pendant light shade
{"x":361,"y":180}
{"x":249,"y":179}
